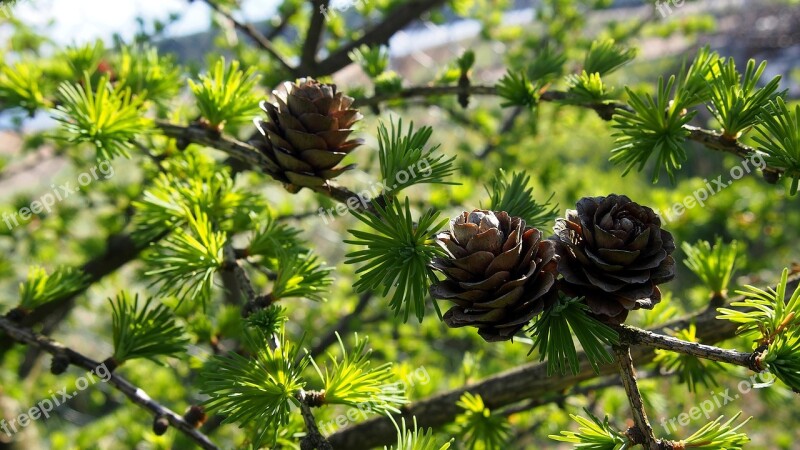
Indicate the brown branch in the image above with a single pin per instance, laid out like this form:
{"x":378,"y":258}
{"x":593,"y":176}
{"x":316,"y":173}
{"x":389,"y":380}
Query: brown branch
{"x":710,"y":139}
{"x":341,"y":326}
{"x":426,"y":91}
{"x":253,"y":157}
{"x":120,"y":250}
{"x":395,"y":20}
{"x":284,"y":21}
{"x":255,"y":35}
{"x":633,"y":336}
{"x":644,"y":431}
{"x":716,"y":141}
{"x":523,"y":382}
{"x":308,"y":55}
{"x":314,"y":440}
{"x":134,"y":393}
{"x":508,"y":124}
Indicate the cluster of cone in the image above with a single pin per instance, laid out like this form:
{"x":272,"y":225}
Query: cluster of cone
{"x":500,"y":273}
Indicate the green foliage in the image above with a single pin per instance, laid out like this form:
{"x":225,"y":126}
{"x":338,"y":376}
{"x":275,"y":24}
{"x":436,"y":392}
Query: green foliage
{"x":148,"y":74}
{"x":516,"y":198}
{"x":40,"y":288}
{"x":466,"y":61}
{"x":517,"y":90}
{"x":654,"y":126}
{"x":479,"y":429}
{"x":690,"y":369}
{"x":258,"y":388}
{"x":404,"y":160}
{"x":714,"y":265}
{"x":352,"y":381}
{"x":766,"y":313}
{"x":417,"y":439}
{"x":108,"y":118}
{"x":144,"y":332}
{"x":605,"y":56}
{"x":185,"y":262}
{"x":780,"y":140}
{"x":271,"y":236}
{"x":783,"y":358}
{"x":84,"y":59}
{"x":267,"y":320}
{"x":20,"y":86}
{"x":552,"y":337}
{"x":373,"y":60}
{"x":226,"y":95}
{"x":736,"y":100}
{"x":718,"y":436}
{"x":587,"y":88}
{"x":397,"y":255}
{"x":193,"y":182}
{"x":694,"y":84}
{"x":547,"y":65}
{"x":300,"y":275}
{"x":593,"y":434}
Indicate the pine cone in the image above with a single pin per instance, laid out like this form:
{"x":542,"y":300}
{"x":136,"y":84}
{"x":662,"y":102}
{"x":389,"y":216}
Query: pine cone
{"x":499,"y":273}
{"x":613,"y":252}
{"x":306,"y":132}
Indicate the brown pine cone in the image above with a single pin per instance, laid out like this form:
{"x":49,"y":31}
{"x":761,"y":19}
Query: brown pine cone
{"x":306,"y":132}
{"x":498,"y":272}
{"x":613,"y":252}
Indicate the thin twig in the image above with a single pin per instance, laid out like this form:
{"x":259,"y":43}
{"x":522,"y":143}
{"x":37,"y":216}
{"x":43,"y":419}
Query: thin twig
{"x":633,"y":336}
{"x":252,"y":156}
{"x":394,"y":21}
{"x":254,"y":301}
{"x":284,"y":21}
{"x":508,"y":124}
{"x":134,"y":393}
{"x":341,"y":326}
{"x":255,"y":35}
{"x":628,"y":375}
{"x":605,"y":110}
{"x":314,"y":440}
{"x":120,"y":250}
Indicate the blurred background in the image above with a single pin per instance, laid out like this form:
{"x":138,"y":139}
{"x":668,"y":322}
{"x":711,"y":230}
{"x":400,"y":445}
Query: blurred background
{"x":564,"y":148}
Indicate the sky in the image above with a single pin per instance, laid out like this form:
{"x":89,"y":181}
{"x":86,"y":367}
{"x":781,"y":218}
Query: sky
{"x":79,"y":21}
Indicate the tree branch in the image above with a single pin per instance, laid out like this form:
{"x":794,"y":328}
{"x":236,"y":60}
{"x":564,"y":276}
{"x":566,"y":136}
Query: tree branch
{"x":255,"y":35}
{"x":250,"y":155}
{"x":135,"y":394}
{"x":120,"y":250}
{"x":341,"y":326}
{"x":644,"y":431}
{"x":523,"y":382}
{"x":394,"y":21}
{"x":508,"y":124}
{"x":710,"y":139}
{"x":633,"y":336}
{"x":314,"y":440}
{"x":308,"y":55}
